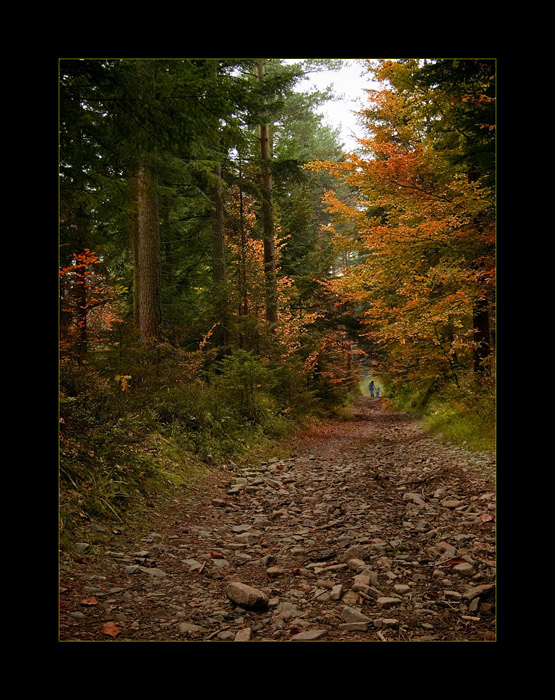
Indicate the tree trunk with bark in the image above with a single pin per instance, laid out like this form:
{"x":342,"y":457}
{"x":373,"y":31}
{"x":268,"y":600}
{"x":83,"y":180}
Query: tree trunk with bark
{"x":268,"y":216}
{"x":145,"y":247}
{"x":219,"y":270}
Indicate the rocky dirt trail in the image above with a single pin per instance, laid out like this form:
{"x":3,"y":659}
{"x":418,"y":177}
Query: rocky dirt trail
{"x":370,"y":530}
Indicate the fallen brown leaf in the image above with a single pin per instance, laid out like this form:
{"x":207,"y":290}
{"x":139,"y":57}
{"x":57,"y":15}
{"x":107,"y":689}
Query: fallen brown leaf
{"x":455,"y":560}
{"x":111,"y":629}
{"x":89,"y":601}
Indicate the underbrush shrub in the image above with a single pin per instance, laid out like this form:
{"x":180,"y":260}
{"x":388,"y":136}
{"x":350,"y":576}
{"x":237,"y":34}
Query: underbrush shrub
{"x":295,"y":398}
{"x":244,"y":383}
{"x":463,"y":413}
{"x":121,"y":441}
{"x":334,"y":397}
{"x":102,"y":465}
{"x":412,"y":396}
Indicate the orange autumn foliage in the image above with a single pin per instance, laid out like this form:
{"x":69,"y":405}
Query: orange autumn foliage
{"x":90,"y":305}
{"x":246,"y":292}
{"x":419,"y":236}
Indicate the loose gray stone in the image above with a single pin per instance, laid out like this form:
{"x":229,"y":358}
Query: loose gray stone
{"x":193,"y":564}
{"x":152,"y":571}
{"x":481,"y":591}
{"x":226,"y":636}
{"x":451,"y":503}
{"x":356,"y":565}
{"x":388,"y":622}
{"x":185,"y":627}
{"x":239,"y":485}
{"x":414,"y":498}
{"x":336,"y":592}
{"x":354,"y":626}
{"x":362,"y":582}
{"x":353,"y":615}
{"x":249,"y":537}
{"x":220,"y":563}
{"x":116,"y":555}
{"x":287,"y":610}
{"x":355,"y":552}
{"x":387,"y":602}
{"x":350,"y":598}
{"x":133,"y":569}
{"x":465,"y":569}
{"x":246,"y":596}
{"x":244,"y":635}
{"x":308,"y":636}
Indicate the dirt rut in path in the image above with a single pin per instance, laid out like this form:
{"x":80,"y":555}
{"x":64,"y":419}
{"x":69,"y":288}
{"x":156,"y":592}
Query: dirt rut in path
{"x":369,"y":531}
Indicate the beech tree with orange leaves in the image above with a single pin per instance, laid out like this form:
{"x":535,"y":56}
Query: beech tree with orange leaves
{"x":90,"y":305}
{"x":419,"y":231}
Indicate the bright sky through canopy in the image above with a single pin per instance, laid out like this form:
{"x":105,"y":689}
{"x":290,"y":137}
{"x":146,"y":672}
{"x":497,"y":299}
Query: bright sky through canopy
{"x":350,"y":83}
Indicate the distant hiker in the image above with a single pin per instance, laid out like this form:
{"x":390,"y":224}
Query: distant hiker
{"x":378,"y":391}
{"x":371,"y":387}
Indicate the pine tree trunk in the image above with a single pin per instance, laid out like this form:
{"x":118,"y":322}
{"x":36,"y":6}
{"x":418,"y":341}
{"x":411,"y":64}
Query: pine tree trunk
{"x":134,"y":243}
{"x":81,"y":289}
{"x":219,"y":272}
{"x":268,"y":218}
{"x":145,"y":246}
{"x":243,"y":290}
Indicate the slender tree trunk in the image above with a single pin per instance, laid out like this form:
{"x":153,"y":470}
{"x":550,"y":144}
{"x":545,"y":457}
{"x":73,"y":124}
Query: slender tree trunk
{"x":145,"y":246}
{"x":243,"y":291}
{"x":81,"y":289}
{"x":268,"y":217}
{"x":219,"y":271}
{"x":134,"y":242}
{"x":243,"y":306}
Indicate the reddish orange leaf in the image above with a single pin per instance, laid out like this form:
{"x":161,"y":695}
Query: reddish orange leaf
{"x":455,"y":560}
{"x":111,"y":629}
{"x":89,"y":601}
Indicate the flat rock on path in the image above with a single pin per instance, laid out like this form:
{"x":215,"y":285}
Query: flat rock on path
{"x":371,"y":530}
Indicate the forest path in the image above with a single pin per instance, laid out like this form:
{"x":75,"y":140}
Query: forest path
{"x":370,"y":530}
